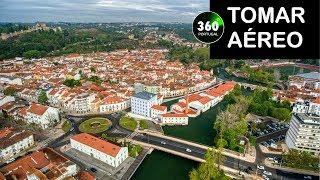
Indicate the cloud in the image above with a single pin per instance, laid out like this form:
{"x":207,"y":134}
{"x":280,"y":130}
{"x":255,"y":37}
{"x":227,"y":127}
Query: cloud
{"x":101,"y":10}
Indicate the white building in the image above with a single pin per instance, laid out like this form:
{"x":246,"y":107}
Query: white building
{"x":142,"y":102}
{"x":312,"y":107}
{"x":202,"y":104}
{"x":304,"y":133}
{"x":10,"y":80}
{"x":102,"y":150}
{"x":44,"y":116}
{"x":14,"y":142}
{"x":157,"y":110}
{"x":82,"y":103}
{"x":30,"y":95}
{"x":112,"y":104}
{"x":6,"y":99}
{"x":174,"y":119}
{"x":315,"y":107}
{"x":306,"y":80}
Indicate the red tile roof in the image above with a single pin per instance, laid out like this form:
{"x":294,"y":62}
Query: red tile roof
{"x":8,"y":137}
{"x":174,"y":115}
{"x":194,"y":97}
{"x":204,"y":100}
{"x":44,"y":158}
{"x":73,"y":55}
{"x":37,"y":109}
{"x":113,"y":100}
{"x":23,"y":111}
{"x":317,"y":100}
{"x":53,"y":92}
{"x":84,"y":175}
{"x":159,"y":107}
{"x":213,"y":93}
{"x":181,"y":104}
{"x":221,"y":89}
{"x":98,"y":144}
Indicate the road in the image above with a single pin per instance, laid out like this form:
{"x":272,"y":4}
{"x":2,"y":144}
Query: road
{"x":229,"y":162}
{"x":117,"y":130}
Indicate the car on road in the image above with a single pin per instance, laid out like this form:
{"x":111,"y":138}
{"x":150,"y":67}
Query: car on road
{"x":188,"y":150}
{"x":307,"y":177}
{"x":270,"y":158}
{"x":267,"y":173}
{"x":265,"y":177}
{"x":260,"y":167}
{"x":162,"y":142}
{"x":93,"y":170}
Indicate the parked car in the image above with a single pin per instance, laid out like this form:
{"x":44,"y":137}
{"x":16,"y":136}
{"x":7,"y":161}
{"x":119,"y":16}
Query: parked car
{"x":270,"y":158}
{"x":265,"y":177}
{"x":267,"y":173}
{"x":260,"y":167}
{"x":93,"y":170}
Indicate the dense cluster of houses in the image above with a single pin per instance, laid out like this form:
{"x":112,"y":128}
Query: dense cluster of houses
{"x":303,"y":93}
{"x":42,"y":164}
{"x":46,"y":163}
{"x":122,"y":79}
{"x":120,"y":74}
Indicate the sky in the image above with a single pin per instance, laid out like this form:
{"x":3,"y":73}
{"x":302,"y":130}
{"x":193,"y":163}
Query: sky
{"x":101,"y":10}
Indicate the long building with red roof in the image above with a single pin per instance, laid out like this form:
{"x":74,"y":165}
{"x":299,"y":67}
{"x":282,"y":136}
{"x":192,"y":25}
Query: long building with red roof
{"x":196,"y":103}
{"x":100,"y":149}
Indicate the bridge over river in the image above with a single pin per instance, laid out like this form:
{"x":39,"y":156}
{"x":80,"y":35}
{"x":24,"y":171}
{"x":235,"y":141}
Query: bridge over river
{"x":187,"y":149}
{"x":233,"y":162}
{"x":253,"y":86}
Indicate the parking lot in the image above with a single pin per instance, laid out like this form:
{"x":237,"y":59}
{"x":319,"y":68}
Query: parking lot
{"x":266,"y":128}
{"x":100,"y":169}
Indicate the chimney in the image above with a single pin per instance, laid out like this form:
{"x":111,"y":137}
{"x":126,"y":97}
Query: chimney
{"x":187,"y":102}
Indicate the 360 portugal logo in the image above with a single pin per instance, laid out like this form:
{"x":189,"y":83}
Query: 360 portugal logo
{"x":208,"y":27}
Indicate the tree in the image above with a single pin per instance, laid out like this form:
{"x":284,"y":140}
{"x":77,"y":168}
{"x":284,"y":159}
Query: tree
{"x":9,"y":91}
{"x":301,"y":160}
{"x":239,"y":64}
{"x":97,"y":80}
{"x":282,"y":114}
{"x":32,"y":54}
{"x":231,"y":124}
{"x":92,"y":69}
{"x":285,"y":104}
{"x":72,"y":82}
{"x":211,"y":168}
{"x":42,"y":98}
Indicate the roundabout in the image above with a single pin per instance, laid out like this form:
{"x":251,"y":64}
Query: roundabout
{"x":95,"y":125}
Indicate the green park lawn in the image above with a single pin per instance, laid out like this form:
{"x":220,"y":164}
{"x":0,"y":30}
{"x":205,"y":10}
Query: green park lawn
{"x":95,"y":125}
{"x":66,"y":126}
{"x":143,"y":124}
{"x":128,"y":123}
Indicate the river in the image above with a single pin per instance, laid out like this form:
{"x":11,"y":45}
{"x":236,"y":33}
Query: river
{"x":159,"y":165}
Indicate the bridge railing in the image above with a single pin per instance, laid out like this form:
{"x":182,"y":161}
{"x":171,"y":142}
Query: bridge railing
{"x":226,"y":152}
{"x":167,"y":150}
{"x":193,"y":143}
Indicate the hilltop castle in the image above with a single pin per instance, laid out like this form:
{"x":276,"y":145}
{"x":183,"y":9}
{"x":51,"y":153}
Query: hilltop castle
{"x":38,"y":26}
